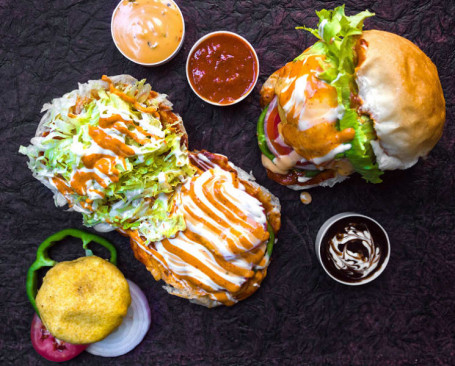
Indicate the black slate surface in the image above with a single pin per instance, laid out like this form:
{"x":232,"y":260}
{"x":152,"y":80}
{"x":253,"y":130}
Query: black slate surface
{"x":299,"y":316}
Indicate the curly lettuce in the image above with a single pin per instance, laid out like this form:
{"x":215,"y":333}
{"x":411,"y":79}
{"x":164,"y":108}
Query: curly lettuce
{"x":337,"y":34}
{"x":141,"y":194}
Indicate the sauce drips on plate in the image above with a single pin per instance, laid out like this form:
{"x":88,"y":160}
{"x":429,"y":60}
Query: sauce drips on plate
{"x":222,"y":68}
{"x":147,"y":31}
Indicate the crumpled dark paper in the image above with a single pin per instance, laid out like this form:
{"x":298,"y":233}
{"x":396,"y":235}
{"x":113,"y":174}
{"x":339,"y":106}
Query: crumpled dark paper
{"x":299,"y":316}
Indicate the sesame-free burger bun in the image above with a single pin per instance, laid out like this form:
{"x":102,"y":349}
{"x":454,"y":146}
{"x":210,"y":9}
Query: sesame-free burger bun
{"x":399,"y":87}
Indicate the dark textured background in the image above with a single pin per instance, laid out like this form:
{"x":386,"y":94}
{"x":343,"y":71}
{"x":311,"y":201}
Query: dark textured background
{"x":299,"y":316}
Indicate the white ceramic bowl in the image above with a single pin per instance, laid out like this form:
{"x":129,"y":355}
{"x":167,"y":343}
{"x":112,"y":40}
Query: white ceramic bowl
{"x":322,"y":231}
{"x":150,"y":64}
{"x":255,"y":77}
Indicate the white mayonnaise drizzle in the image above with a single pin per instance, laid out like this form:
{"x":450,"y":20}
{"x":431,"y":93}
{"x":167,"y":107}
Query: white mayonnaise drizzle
{"x":298,"y":98}
{"x":200,"y":222}
{"x":331,"y":154}
{"x":310,"y":117}
{"x":351,"y":261}
{"x":321,"y":28}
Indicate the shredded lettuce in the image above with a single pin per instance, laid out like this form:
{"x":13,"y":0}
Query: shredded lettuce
{"x":337,"y":37}
{"x":142,"y":197}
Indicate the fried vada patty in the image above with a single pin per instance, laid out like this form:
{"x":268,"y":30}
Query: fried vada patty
{"x":84,"y":300}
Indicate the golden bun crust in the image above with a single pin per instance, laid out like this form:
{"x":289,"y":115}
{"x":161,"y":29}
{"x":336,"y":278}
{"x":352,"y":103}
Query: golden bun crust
{"x":84,"y":300}
{"x":400,"y":88}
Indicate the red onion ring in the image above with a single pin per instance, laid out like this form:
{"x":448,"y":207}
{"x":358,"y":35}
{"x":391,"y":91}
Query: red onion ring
{"x":271,"y":107}
{"x":132,"y":330}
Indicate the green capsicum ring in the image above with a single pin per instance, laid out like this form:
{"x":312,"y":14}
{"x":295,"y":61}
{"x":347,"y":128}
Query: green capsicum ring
{"x":43,"y":259}
{"x":262,"y":141}
{"x":271,"y":241}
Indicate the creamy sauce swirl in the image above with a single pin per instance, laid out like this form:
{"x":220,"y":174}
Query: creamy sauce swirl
{"x":147,"y":31}
{"x":354,"y":251}
{"x":354,"y":248}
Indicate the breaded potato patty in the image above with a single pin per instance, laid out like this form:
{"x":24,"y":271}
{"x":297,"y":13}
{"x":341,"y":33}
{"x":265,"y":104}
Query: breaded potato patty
{"x":84,"y":300}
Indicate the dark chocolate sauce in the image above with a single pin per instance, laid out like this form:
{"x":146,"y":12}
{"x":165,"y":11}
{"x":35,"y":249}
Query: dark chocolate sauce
{"x":353,"y":249}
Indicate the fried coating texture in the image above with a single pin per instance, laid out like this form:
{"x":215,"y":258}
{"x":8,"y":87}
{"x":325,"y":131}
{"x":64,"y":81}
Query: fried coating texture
{"x":84,"y":300}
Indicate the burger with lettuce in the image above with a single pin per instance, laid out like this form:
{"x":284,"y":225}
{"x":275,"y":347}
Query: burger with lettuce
{"x":355,"y":101}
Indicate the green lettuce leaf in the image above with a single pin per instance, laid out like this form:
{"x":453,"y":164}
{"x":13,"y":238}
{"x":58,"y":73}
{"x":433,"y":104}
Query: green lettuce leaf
{"x":142,"y":197}
{"x":337,"y":37}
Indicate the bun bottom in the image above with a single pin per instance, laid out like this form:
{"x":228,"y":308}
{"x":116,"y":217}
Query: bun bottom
{"x":202,"y":161}
{"x":329,"y":183}
{"x":297,"y":180}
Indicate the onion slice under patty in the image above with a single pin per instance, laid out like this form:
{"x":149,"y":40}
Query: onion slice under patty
{"x":278,"y":147}
{"x":132,"y":330}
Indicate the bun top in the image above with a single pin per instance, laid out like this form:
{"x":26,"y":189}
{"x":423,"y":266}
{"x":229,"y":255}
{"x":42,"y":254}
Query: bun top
{"x":400,"y":89}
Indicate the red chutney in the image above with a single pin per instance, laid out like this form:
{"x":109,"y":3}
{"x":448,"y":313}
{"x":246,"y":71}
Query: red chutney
{"x":222,"y":68}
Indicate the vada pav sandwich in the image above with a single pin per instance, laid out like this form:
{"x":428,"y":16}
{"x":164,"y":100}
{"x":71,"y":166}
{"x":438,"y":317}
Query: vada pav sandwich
{"x":114,"y":151}
{"x":223,"y":254}
{"x":355,"y":101}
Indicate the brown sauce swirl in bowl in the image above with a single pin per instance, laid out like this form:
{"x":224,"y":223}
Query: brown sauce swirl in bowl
{"x":354,"y":249}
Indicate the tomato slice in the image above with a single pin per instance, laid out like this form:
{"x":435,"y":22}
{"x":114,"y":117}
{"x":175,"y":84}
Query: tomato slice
{"x":274,"y":141}
{"x":51,"y":348}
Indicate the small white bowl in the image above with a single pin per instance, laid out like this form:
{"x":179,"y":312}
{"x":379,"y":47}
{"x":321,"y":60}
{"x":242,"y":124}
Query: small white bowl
{"x":325,"y":227}
{"x":150,"y":64}
{"x":256,"y":77}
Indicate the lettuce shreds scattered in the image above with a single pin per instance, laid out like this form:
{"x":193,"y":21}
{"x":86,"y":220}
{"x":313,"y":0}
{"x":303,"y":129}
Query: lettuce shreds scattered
{"x":142,"y":198}
{"x":337,"y":37}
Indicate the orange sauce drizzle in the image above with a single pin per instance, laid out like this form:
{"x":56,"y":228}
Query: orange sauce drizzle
{"x":104,"y":163}
{"x":112,"y":122}
{"x":245,"y":239}
{"x":109,"y":143}
{"x":80,"y":179}
{"x":320,"y":98}
{"x":61,"y":185}
{"x":127,"y":98}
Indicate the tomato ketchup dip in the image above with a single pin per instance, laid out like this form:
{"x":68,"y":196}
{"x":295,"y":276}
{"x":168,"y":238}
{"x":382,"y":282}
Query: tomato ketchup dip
{"x":222,"y":68}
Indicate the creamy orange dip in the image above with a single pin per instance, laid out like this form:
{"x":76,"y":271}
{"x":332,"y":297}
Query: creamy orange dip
{"x":147,"y":31}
